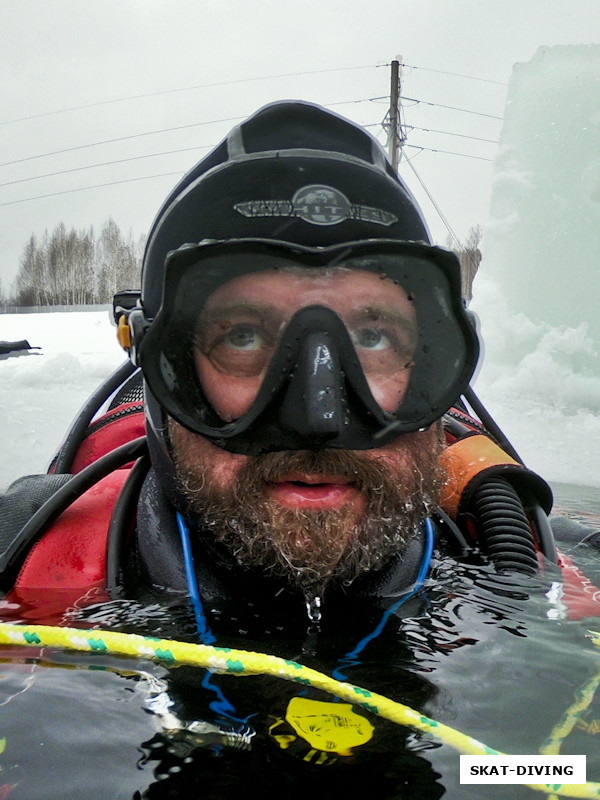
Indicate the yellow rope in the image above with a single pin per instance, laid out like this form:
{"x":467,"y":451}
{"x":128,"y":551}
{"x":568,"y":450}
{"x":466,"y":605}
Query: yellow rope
{"x":242,"y":662}
{"x":583,"y":697}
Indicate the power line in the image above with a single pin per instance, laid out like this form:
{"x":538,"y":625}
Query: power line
{"x":153,"y":133}
{"x":85,"y":188}
{"x":119,"y":139}
{"x":451,"y":108}
{"x":166,"y":174}
{"x":422,"y":149}
{"x":433,"y":202}
{"x":195,"y":87}
{"x":455,"y":74}
{"x":451,"y":133}
{"x":191,"y":125}
{"x":106,"y":164}
{"x":448,"y":152}
{"x":434,"y":150}
{"x":181,"y":89}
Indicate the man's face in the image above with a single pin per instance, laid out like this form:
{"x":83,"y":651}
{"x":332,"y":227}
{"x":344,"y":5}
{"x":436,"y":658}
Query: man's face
{"x":307,"y":516}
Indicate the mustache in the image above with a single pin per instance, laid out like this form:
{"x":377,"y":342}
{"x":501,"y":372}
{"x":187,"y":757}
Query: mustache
{"x":273,"y":467}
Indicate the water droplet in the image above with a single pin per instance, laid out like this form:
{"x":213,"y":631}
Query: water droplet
{"x":313,"y":608}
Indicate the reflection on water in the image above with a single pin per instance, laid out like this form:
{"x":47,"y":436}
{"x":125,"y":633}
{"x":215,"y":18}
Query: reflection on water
{"x":484,"y":653}
{"x":581,"y":503}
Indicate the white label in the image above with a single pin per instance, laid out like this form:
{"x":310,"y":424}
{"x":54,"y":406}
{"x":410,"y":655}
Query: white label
{"x":551,"y":770}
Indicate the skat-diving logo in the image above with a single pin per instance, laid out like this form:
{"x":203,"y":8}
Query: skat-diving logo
{"x":317,"y":204}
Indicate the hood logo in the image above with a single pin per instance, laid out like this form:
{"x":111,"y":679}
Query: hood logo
{"x":318,"y":205}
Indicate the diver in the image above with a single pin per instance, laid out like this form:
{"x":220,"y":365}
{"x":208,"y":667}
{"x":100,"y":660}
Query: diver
{"x":293,"y":436}
{"x":300,"y":352}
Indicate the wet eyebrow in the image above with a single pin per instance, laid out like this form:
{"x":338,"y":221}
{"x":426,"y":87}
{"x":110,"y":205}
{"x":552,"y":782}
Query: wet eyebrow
{"x":232,"y":307}
{"x":226,"y":312}
{"x":386,"y":315}
{"x":266,"y":313}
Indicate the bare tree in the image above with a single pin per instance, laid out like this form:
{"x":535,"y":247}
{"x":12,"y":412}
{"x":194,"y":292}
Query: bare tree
{"x":469,"y":256}
{"x":130,"y":276}
{"x":82,"y":267}
{"x":117,"y":263}
{"x":31,"y":281}
{"x":72,"y":267}
{"x":58,"y":265}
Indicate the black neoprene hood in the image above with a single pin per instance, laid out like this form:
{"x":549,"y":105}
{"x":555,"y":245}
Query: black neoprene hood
{"x":270,"y":179}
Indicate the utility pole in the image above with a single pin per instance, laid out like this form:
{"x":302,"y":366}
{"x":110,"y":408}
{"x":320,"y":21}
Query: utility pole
{"x":393,"y":123}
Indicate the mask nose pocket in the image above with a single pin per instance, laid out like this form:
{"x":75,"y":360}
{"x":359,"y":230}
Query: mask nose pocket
{"x":313,"y":404}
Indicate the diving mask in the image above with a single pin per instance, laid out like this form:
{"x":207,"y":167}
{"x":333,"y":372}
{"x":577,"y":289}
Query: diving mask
{"x":263,"y":345}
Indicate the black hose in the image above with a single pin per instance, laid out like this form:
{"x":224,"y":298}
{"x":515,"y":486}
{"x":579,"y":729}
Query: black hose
{"x":543,"y":529}
{"x":120,"y":521}
{"x":503,"y":529}
{"x":453,"y":531}
{"x":11,"y":560}
{"x":76,"y":434}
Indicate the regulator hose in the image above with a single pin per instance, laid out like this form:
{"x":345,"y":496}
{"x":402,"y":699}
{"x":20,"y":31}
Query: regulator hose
{"x":121,"y":521}
{"x":490,"y":424}
{"x":503,"y":530}
{"x":13,"y":557}
{"x":76,"y":434}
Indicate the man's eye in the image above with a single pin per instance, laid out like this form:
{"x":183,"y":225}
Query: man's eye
{"x":244,"y":338}
{"x":371,"y":339}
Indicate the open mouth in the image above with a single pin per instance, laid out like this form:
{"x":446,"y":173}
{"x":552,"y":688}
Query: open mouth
{"x":313,"y":491}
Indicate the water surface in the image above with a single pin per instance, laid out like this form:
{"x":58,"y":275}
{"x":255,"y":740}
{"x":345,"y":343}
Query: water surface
{"x":491,"y":655}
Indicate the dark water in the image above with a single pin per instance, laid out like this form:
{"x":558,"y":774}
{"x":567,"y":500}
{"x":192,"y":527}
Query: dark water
{"x":579,"y":502}
{"x":489,"y":655}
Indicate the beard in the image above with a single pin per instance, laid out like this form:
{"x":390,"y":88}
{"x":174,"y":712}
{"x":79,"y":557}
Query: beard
{"x":311,"y":548}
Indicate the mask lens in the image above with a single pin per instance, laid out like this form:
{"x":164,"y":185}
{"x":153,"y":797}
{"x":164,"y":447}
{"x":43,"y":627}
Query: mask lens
{"x":385,"y":340}
{"x":238,"y":340}
{"x":243,"y":323}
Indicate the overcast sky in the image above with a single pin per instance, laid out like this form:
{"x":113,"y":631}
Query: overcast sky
{"x":105,"y":104}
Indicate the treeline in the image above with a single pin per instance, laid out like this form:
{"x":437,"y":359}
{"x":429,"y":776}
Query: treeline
{"x":70,"y":267}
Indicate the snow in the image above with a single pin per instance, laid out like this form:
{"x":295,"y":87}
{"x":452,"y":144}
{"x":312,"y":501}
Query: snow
{"x":41,"y":391}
